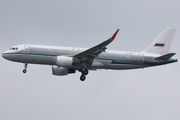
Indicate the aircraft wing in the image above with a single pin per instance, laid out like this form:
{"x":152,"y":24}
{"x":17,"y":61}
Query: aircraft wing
{"x":89,"y":54}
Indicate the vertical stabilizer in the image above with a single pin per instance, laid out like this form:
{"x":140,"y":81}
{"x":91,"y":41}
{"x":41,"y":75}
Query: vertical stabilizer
{"x":162,"y":43}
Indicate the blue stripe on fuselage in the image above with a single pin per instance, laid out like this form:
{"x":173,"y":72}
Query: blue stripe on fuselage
{"x":31,"y":54}
{"x":112,"y":60}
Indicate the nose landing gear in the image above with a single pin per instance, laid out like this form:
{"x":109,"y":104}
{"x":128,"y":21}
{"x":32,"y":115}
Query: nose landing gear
{"x":25,"y":67}
{"x":84,"y":73}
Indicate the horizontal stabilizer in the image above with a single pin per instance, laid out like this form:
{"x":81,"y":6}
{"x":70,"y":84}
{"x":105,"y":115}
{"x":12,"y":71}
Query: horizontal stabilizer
{"x":165,"y":57}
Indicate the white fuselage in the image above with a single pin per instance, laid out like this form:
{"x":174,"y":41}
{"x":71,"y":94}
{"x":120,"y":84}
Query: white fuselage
{"x":66,"y":60}
{"x":110,"y":59}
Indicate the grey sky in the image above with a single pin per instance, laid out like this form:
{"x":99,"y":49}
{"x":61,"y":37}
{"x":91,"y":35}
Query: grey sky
{"x":143,"y":94}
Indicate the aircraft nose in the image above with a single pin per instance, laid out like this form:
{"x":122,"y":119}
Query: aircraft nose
{"x":4,"y":55}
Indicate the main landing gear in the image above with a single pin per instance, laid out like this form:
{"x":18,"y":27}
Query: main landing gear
{"x":25,"y":67}
{"x":84,"y":73}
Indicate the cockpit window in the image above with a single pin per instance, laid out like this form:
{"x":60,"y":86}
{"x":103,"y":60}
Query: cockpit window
{"x":14,"y":48}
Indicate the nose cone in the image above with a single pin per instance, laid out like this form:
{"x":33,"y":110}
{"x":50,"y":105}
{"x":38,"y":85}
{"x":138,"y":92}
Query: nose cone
{"x":5,"y":55}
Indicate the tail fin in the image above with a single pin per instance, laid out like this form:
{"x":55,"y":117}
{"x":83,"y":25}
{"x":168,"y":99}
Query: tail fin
{"x":162,"y":43}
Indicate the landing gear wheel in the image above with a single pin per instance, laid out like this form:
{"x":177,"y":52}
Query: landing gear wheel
{"x":83,"y":77}
{"x":24,"y":71}
{"x":85,"y":72}
{"x":25,"y":66}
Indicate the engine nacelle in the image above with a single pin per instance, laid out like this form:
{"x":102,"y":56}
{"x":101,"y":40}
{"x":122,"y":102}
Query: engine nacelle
{"x":61,"y":71}
{"x":64,"y":61}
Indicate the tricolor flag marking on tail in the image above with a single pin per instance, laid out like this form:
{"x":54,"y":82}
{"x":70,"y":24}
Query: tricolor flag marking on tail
{"x":159,"y":45}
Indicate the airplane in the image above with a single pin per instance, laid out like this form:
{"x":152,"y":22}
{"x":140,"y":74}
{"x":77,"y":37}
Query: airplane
{"x":68,"y":60}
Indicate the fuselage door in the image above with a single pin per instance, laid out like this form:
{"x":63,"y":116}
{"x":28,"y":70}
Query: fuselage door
{"x":26,"y":49}
{"x":141,"y":58}
{"x":71,"y":52}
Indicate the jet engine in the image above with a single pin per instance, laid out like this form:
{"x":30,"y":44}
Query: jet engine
{"x":64,"y":61}
{"x":61,"y":71}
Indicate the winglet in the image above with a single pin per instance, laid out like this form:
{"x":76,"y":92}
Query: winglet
{"x":113,"y":37}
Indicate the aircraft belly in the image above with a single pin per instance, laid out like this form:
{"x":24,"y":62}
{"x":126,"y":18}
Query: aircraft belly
{"x":34,"y":59}
{"x":123,"y":66}
{"x":48,"y":60}
{"x":111,"y":64}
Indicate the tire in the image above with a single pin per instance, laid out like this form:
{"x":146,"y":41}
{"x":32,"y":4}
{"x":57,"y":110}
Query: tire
{"x":24,"y":71}
{"x":83,"y":77}
{"x":85,"y":72}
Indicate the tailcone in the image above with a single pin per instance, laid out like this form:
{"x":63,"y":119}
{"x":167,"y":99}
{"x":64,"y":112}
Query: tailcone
{"x":173,"y":60}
